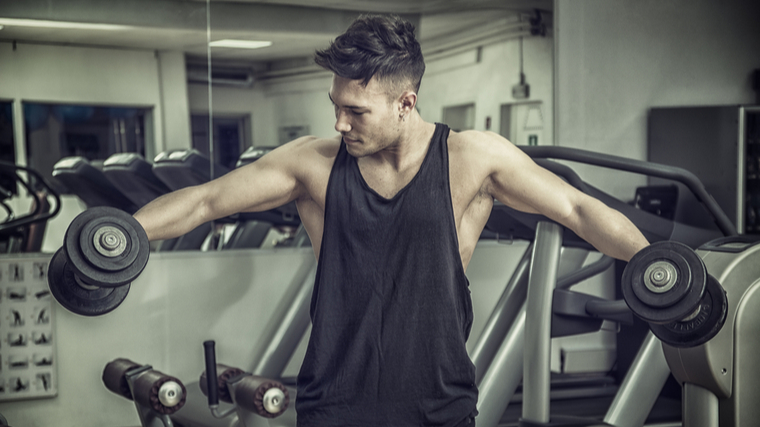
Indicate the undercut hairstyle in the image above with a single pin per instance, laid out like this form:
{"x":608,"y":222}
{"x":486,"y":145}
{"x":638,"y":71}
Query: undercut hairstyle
{"x":376,"y":46}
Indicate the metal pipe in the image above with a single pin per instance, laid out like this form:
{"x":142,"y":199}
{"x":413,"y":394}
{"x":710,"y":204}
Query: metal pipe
{"x":641,"y":386}
{"x":584,"y":273}
{"x":284,"y":333}
{"x":700,"y":407}
{"x":503,"y":376}
{"x":537,"y":353}
{"x":502,"y":317}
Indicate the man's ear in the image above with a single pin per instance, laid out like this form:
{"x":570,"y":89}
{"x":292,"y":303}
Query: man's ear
{"x":407,"y":101}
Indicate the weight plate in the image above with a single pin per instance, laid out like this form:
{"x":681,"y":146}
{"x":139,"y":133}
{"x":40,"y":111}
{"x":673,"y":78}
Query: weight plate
{"x":76,"y":298}
{"x":682,"y":279}
{"x":675,"y":303}
{"x":89,"y":261}
{"x":703,"y":326}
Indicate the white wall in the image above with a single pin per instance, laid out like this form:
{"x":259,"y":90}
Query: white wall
{"x":272,"y":105}
{"x":488,"y":83}
{"x":450,"y":81}
{"x":618,"y":58}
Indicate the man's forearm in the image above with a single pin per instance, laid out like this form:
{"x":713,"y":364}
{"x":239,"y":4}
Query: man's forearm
{"x":173,"y":214}
{"x":611,"y":232}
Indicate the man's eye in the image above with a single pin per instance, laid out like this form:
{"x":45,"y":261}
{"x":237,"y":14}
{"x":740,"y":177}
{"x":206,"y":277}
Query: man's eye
{"x":357,"y":113}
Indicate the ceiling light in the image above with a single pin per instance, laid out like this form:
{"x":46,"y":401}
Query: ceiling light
{"x":240,"y":44}
{"x":10,"y":22}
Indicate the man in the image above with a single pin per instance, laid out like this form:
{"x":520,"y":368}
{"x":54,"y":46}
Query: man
{"x":394,"y":207}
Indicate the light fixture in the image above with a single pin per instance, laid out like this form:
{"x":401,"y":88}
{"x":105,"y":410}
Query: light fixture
{"x":37,"y":23}
{"x":240,"y":44}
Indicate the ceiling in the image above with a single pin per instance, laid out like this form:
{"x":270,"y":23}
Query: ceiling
{"x":296,"y":27}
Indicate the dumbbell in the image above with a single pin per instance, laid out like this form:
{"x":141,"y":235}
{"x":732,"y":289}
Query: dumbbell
{"x":667,"y":285}
{"x":104,"y":250}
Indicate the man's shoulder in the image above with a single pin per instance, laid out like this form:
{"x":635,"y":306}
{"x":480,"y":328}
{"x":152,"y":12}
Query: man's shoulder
{"x":308,"y":152}
{"x":478,"y":144}
{"x":327,"y":147}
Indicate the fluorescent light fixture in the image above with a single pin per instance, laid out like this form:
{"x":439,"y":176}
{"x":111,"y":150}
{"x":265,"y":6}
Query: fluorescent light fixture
{"x":240,"y":44}
{"x":37,"y":23}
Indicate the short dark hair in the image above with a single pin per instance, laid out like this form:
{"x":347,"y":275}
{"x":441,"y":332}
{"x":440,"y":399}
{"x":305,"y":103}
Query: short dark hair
{"x":376,"y":45}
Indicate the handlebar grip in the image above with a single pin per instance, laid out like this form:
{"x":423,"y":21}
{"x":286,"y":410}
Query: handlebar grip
{"x":211,"y":382}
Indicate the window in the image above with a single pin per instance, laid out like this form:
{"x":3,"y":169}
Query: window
{"x":55,"y":131}
{"x":230,"y":137}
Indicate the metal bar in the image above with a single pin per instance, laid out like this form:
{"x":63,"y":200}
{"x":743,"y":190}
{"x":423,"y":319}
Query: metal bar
{"x":637,"y":166}
{"x":700,"y":407}
{"x":503,"y":375}
{"x":284,"y":333}
{"x":741,"y":162}
{"x":537,"y":350}
{"x":641,"y":386}
{"x":502,"y":317}
{"x":597,"y":267}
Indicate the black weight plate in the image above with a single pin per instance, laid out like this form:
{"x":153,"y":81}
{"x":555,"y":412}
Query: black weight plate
{"x":98,"y":260}
{"x":673,"y":295}
{"x":75,"y":298}
{"x":679,"y":301}
{"x":703,"y":327}
{"x":96,"y":269}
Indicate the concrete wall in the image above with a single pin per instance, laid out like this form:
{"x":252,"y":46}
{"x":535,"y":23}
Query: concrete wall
{"x":615,"y":59}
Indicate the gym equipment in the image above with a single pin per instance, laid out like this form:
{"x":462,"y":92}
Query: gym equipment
{"x":510,"y":363}
{"x":279,"y":340}
{"x":155,"y":394}
{"x":24,"y":233}
{"x":183,"y":168}
{"x":133,"y":175}
{"x":712,"y":352}
{"x":104,"y":250}
{"x":251,"y":395}
{"x":90,"y":184}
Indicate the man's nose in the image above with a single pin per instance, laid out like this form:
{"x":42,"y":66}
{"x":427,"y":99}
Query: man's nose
{"x":341,"y":123}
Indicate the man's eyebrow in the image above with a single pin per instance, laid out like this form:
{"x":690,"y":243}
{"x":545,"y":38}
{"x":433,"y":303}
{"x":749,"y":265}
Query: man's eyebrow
{"x":353,"y":107}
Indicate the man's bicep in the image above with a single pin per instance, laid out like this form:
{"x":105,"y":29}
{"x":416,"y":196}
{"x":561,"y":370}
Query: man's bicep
{"x":264,"y":184}
{"x":520,"y":183}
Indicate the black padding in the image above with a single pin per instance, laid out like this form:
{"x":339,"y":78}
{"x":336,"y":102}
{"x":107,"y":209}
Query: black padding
{"x":183,"y":168}
{"x":133,"y":175}
{"x":90,"y":184}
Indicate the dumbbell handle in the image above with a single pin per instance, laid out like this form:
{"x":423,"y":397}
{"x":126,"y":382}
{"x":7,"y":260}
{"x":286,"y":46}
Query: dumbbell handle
{"x":211,"y":381}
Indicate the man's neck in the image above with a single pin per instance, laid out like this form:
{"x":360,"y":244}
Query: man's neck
{"x":411,"y":146}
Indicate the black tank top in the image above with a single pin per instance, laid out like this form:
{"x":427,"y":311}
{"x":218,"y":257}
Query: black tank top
{"x":391,"y":308}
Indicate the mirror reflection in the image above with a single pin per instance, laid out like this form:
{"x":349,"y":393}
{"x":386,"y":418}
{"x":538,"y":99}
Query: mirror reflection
{"x":204,"y":82}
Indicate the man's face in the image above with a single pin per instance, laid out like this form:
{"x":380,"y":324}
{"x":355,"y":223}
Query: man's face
{"x":365,"y":116}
